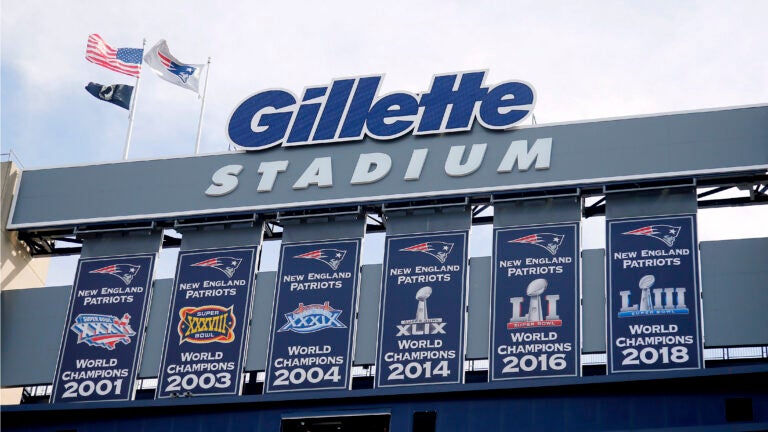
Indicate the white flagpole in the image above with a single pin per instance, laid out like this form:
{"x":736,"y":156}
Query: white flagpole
{"x":202,"y":108}
{"x":134,"y":98}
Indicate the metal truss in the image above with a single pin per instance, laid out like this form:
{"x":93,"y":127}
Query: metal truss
{"x":743,"y":189}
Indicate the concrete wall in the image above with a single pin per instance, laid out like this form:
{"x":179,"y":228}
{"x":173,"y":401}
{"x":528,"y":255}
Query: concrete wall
{"x":17,"y":267}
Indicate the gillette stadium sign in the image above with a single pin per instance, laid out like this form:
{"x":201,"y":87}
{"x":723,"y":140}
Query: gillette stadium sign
{"x":345,"y":143}
{"x":350,"y":109}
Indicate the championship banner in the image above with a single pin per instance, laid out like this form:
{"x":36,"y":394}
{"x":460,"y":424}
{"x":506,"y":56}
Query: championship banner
{"x":535,"y":314}
{"x":653,"y":295}
{"x":102,"y":341}
{"x":207,"y":324}
{"x":421,"y":323}
{"x":313,"y":316}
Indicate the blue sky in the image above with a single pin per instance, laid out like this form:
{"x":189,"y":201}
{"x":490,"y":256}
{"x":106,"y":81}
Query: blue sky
{"x":586,"y":60}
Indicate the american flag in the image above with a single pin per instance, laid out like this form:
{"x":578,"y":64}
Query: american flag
{"x":123,"y":60}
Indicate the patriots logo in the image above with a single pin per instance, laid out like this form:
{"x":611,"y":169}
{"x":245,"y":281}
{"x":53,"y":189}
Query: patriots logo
{"x":125,"y":272}
{"x":437,"y":249}
{"x":332,"y":257}
{"x":550,"y":242}
{"x":103,"y":331}
{"x":227,"y":265}
{"x":181,"y":71}
{"x":666,"y":233}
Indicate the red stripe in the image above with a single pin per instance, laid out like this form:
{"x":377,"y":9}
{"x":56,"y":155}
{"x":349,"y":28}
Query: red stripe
{"x":107,"y":269}
{"x":124,"y":68}
{"x":313,"y":254}
{"x":526,"y":239}
{"x":100,"y":45}
{"x":116,"y":65}
{"x":164,"y":60}
{"x":108,"y":338}
{"x":114,"y":62}
{"x":644,"y":230}
{"x":100,"y":48}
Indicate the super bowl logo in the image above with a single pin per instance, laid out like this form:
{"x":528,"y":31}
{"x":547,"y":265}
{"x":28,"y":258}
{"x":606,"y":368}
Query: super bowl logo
{"x":312,"y":318}
{"x":656,"y":301}
{"x":422,"y":324}
{"x":535,"y":316}
{"x":103,"y":331}
{"x":206,"y":324}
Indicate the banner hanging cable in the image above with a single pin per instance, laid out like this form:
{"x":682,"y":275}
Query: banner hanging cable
{"x":202,"y":107}
{"x":133,"y":108}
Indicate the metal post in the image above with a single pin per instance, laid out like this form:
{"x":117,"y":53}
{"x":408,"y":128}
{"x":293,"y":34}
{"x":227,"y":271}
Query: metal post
{"x":132,"y":110}
{"x":202,"y":108}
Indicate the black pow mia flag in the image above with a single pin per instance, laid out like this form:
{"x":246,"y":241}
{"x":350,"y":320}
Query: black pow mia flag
{"x":118,"y":94}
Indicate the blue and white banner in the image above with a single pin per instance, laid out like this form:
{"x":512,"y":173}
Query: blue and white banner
{"x":653,"y":295}
{"x":421,"y":322}
{"x":535,"y":312}
{"x":313,"y":317}
{"x":208,"y":322}
{"x":102,"y":341}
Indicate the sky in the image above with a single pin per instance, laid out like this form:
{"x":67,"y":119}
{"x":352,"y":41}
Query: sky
{"x":586,"y":60}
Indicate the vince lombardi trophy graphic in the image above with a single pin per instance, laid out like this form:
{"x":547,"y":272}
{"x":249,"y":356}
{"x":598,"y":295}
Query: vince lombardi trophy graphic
{"x":422,"y":324}
{"x":421,"y":310}
{"x":534,"y":291}
{"x":645,"y":284}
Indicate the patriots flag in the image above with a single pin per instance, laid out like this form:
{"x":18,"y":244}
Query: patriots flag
{"x":437,"y":249}
{"x":332,"y":257}
{"x":666,"y":233}
{"x":125,"y":272}
{"x":227,"y":265}
{"x":169,"y":68}
{"x":550,"y":242}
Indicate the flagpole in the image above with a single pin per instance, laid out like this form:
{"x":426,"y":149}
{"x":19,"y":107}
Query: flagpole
{"x":202,"y":108}
{"x":134,"y":98}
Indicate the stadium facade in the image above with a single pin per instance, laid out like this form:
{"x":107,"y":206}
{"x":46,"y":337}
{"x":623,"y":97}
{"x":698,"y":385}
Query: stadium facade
{"x":540,"y":334}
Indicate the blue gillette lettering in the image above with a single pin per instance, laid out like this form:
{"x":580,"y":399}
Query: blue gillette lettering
{"x":349,"y":110}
